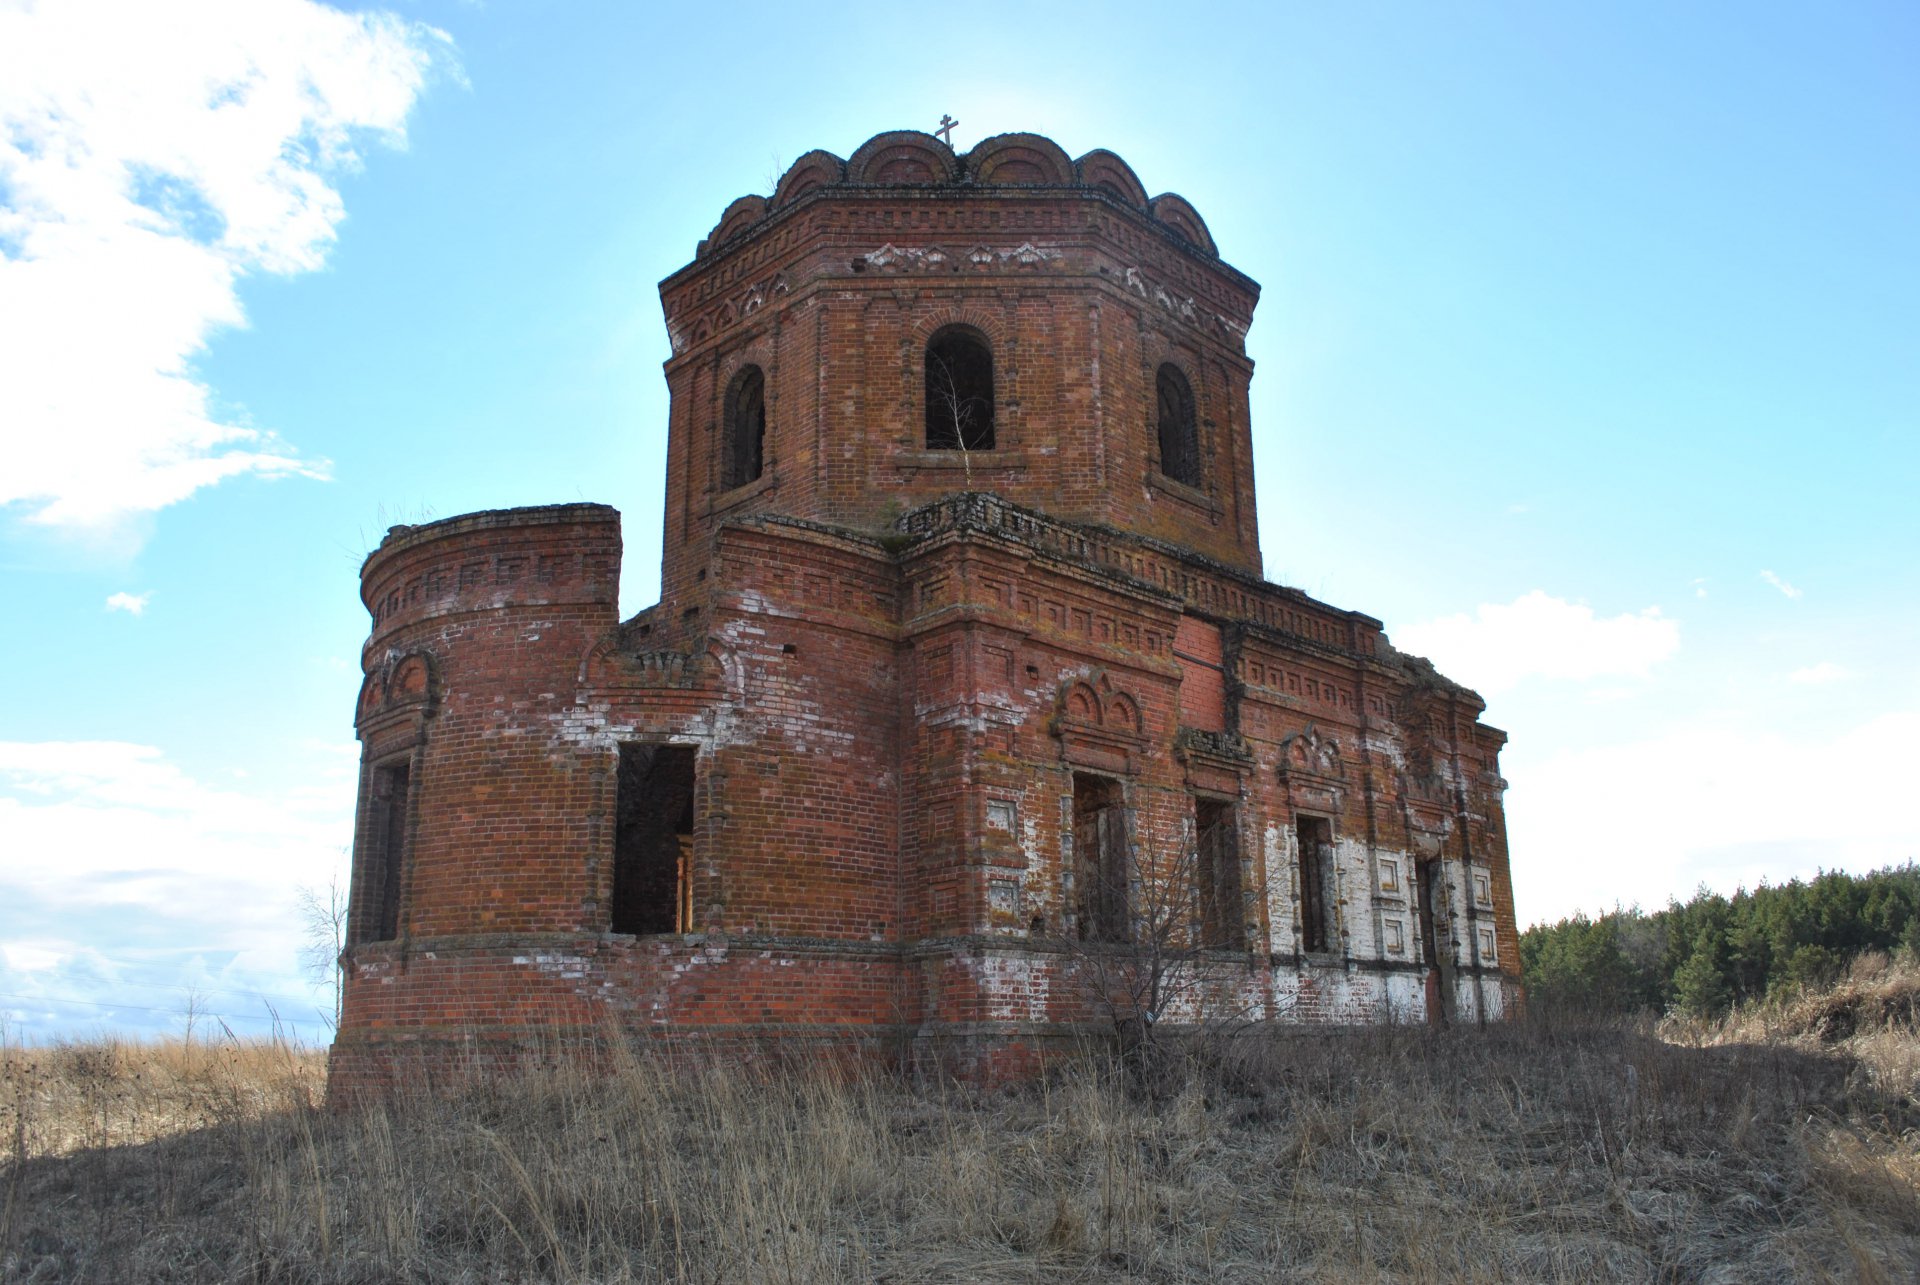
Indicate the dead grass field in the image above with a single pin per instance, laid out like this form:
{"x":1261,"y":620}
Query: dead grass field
{"x":1774,"y":1147}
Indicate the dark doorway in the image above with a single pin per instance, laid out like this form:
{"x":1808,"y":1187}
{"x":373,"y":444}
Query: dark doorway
{"x":653,"y":840}
{"x":1431,"y":904}
{"x":1100,"y":854}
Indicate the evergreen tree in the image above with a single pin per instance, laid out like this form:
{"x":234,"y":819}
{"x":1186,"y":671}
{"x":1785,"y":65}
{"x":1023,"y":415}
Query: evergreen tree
{"x":1712,"y":951}
{"x":1700,"y":987}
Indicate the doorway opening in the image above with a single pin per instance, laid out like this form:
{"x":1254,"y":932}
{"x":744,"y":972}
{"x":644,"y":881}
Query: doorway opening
{"x":653,"y":840}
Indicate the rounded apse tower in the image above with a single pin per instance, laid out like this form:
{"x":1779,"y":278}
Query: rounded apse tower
{"x":963,"y":672}
{"x":467,"y":833}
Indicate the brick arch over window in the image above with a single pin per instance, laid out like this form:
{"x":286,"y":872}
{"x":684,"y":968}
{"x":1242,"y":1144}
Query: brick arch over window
{"x":744,"y":428}
{"x":959,"y":390}
{"x":1179,"y":431}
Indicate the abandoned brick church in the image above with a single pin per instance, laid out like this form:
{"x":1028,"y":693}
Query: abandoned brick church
{"x":963,"y":663}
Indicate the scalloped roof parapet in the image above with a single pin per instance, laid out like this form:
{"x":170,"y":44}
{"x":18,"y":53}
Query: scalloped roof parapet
{"x":903,"y":158}
{"x":909,"y":158}
{"x":1101,"y":168}
{"x":1020,"y":160}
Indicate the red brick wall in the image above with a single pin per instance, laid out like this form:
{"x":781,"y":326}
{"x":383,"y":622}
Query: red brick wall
{"x":889,"y":693}
{"x":1079,"y":324}
{"x":505,"y":605}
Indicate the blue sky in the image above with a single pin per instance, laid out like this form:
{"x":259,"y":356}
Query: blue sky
{"x":1588,"y":360}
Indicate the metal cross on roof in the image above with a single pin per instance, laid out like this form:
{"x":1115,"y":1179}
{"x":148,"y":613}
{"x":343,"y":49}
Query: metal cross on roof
{"x":945,"y":132}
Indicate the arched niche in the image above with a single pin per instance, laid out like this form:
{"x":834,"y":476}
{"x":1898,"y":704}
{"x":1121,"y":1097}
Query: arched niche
{"x":1101,"y":168}
{"x":1174,"y":211}
{"x":902,"y":158}
{"x":1081,"y":704}
{"x":817,"y":169}
{"x":1123,"y":714}
{"x":739,"y":216}
{"x":1099,"y":726}
{"x":1023,"y":160}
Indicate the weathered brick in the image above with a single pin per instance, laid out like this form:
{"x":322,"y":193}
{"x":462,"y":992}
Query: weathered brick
{"x":892,"y":663}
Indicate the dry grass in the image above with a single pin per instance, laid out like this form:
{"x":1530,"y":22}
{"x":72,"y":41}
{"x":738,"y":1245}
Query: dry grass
{"x":112,"y":1092}
{"x":1540,"y":1152}
{"x":1872,"y":1017}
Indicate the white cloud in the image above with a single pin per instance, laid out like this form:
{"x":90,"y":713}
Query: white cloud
{"x":76,"y":810}
{"x":1699,"y":586}
{"x":151,"y":155}
{"x":1537,"y":635}
{"x":1817,"y":675}
{"x":133,"y":873}
{"x":131,"y":603}
{"x":1780,"y":584}
{"x":1707,"y":804}
{"x":31,"y":956}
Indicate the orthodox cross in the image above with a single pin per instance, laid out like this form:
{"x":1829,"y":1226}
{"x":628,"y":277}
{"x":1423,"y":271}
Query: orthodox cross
{"x":945,"y":132}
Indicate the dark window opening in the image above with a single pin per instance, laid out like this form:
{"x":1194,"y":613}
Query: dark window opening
{"x":1217,"y":854}
{"x":1179,"y":440}
{"x":746,"y":427}
{"x":1316,"y":867}
{"x":386,"y":852}
{"x":653,"y":840}
{"x":959,"y":392}
{"x":1431,"y":900}
{"x":1100,"y":856}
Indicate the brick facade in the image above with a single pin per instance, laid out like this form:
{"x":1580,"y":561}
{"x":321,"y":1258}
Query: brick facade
{"x":920,"y":742}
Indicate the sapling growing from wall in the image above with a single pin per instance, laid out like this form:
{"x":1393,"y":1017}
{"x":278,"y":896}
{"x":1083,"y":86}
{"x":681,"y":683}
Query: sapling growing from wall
{"x":1151,"y":927}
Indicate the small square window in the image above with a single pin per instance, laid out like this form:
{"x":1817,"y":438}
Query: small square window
{"x":1396,"y":936}
{"x":1389,"y":875}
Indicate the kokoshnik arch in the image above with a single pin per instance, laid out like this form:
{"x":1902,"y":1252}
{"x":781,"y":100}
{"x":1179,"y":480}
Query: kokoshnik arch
{"x":962,"y":653}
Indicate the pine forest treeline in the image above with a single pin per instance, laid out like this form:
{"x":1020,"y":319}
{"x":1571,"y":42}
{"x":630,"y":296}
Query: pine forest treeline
{"x":1713,"y":952}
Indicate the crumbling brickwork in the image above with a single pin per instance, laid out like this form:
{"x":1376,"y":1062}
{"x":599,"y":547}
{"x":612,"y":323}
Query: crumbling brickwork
{"x":963,"y":663}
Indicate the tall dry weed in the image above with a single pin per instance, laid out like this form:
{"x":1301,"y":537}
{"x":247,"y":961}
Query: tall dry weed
{"x":1542,"y":1152}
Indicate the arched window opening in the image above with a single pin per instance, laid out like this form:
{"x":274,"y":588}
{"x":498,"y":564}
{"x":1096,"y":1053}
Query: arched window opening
{"x":1179,"y":441}
{"x":746,"y":427}
{"x":959,"y":392}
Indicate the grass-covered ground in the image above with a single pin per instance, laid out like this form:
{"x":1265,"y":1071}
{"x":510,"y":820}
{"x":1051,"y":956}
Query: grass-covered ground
{"x":1774,"y":1147}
